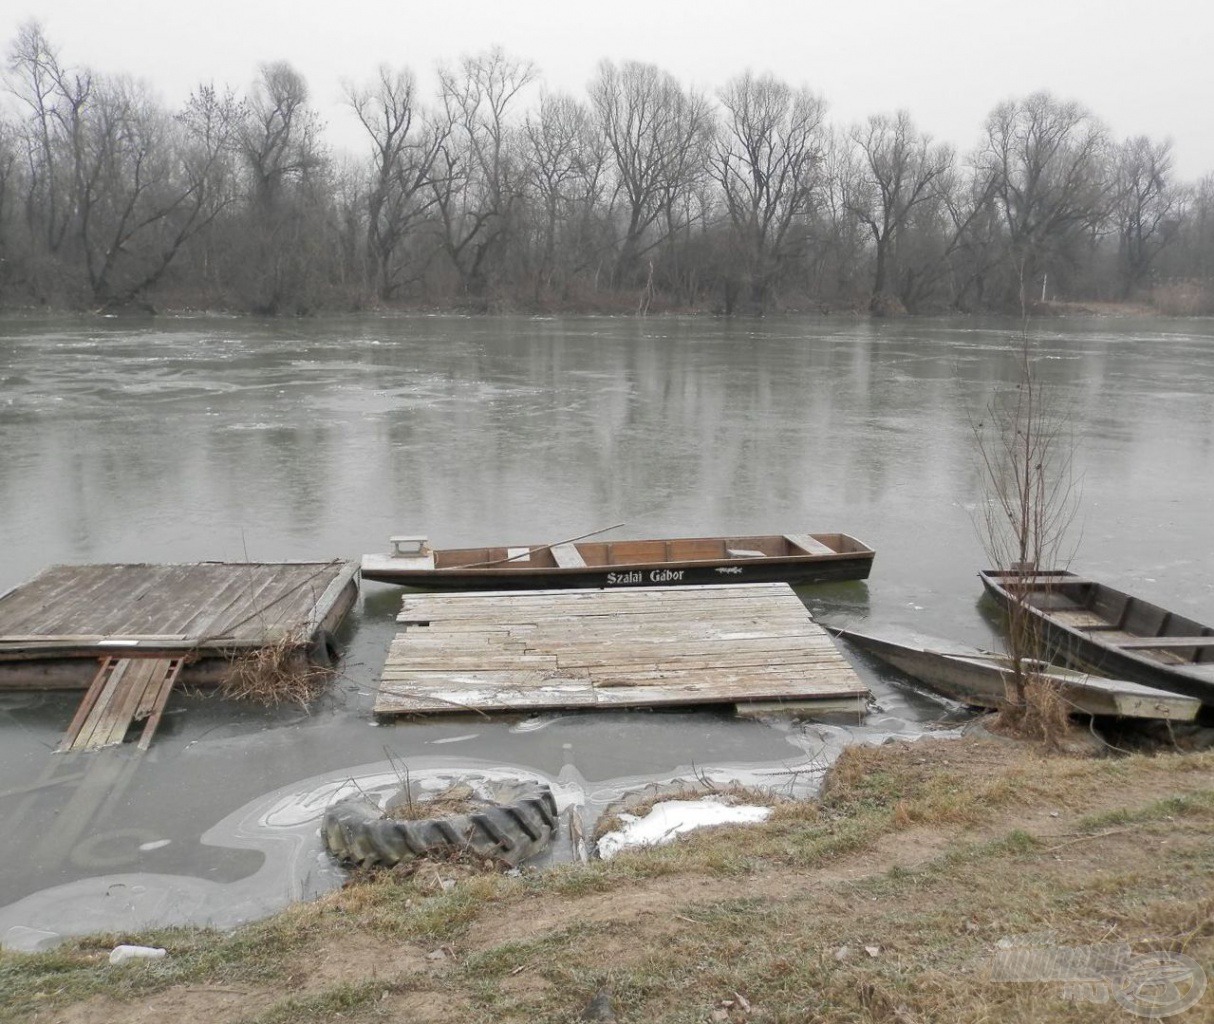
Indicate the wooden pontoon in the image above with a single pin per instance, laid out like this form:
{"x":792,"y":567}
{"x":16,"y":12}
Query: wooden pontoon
{"x":1095,"y":627}
{"x":782,"y":558}
{"x":58,"y":628}
{"x":607,"y":649}
{"x":978,"y":678}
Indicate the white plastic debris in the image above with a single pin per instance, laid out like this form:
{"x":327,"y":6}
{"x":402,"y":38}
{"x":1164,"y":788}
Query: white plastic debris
{"x":672,"y":817}
{"x":121,"y":954}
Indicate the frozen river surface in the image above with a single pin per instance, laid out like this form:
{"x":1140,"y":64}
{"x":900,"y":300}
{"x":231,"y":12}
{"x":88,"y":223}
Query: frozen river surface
{"x":183,"y":439}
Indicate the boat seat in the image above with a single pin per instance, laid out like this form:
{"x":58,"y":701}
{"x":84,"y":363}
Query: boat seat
{"x":1081,"y":619}
{"x":807,"y":544}
{"x":567,"y":556}
{"x":1145,"y":643}
{"x":408,"y":545}
{"x":743,"y":553}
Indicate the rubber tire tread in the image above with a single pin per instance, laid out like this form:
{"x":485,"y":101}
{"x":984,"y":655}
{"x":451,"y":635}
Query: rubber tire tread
{"x":355,"y":831}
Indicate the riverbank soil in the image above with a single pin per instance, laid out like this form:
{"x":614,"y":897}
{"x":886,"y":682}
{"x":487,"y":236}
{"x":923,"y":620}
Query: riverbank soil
{"x":887,"y":900}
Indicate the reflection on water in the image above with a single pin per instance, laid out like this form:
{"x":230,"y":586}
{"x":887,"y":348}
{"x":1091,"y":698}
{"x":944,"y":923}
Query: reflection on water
{"x":214,"y":438}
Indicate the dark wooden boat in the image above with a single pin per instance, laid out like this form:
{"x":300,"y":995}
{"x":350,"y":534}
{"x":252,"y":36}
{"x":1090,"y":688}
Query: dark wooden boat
{"x":787,"y":558}
{"x":978,"y":678}
{"x":1098,"y":628}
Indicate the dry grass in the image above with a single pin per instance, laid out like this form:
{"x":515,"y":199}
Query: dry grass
{"x":458,"y":798}
{"x":278,"y":673}
{"x":1184,"y":298}
{"x":1044,"y":717}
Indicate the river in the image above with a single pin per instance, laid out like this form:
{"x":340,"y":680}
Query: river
{"x":193,"y":438}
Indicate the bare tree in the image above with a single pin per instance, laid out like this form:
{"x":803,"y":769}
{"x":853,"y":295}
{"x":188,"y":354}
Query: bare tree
{"x":1025,"y":451}
{"x":1048,"y":162}
{"x":1147,"y":208}
{"x":899,"y":169}
{"x":768,"y":161}
{"x":405,"y":144}
{"x":658,"y":136}
{"x":117,"y":186}
{"x":281,"y":137}
{"x":479,"y":174}
{"x":566,"y":158}
{"x":55,"y":96}
{"x":278,"y":249}
{"x":14,"y":254}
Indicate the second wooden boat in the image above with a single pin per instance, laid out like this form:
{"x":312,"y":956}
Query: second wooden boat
{"x":1101,"y":629}
{"x":979,"y":678}
{"x":771,"y":558}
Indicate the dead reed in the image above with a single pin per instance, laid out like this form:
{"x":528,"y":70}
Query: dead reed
{"x":279,"y":672}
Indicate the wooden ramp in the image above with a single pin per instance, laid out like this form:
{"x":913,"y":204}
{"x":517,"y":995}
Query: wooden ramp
{"x":635,"y":647}
{"x":125,"y":690}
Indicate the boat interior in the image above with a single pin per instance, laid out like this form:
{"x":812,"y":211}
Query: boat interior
{"x":678,"y":551}
{"x":1113,"y":618}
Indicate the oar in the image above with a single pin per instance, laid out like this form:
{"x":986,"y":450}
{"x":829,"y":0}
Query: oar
{"x":544,"y":547}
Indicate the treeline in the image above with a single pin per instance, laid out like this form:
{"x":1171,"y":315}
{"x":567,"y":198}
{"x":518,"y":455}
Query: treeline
{"x":639,"y":195}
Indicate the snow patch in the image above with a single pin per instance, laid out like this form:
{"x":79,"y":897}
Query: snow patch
{"x":673,"y":817}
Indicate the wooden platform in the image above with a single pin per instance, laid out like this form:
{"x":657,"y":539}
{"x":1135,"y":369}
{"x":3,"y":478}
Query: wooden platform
{"x":642,"y":647}
{"x":55,"y":628}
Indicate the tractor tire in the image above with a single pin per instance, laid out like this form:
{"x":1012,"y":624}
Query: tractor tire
{"x":355,"y":831}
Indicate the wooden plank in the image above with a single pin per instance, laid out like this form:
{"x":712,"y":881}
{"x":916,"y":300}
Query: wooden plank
{"x":567,"y":556}
{"x":697,"y":550}
{"x":124,"y":690}
{"x":619,"y":602}
{"x":793,"y":708}
{"x":1162,"y":642}
{"x":808,"y":544}
{"x":125,"y":703}
{"x":86,"y":704}
{"x":100,"y":706}
{"x":153,"y":711}
{"x":635,"y":552}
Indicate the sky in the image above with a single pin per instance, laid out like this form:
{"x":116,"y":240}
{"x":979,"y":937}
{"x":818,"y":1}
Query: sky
{"x":1142,"y":68}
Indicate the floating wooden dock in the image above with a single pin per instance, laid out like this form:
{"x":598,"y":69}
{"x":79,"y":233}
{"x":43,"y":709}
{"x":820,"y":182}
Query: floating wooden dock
{"x":642,"y":647}
{"x":55,"y":627}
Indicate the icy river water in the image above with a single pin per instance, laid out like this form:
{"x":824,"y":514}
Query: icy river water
{"x":194,"y":438}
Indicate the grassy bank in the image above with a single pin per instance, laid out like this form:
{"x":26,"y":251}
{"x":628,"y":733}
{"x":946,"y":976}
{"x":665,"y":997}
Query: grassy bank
{"x":883,"y":901}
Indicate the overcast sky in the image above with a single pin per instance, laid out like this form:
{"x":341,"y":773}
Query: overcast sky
{"x":1143,"y":68}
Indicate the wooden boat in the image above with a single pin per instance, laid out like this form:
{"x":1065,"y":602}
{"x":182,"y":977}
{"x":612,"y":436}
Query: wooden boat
{"x":776,"y":558}
{"x":978,"y":678}
{"x":1098,"y":628}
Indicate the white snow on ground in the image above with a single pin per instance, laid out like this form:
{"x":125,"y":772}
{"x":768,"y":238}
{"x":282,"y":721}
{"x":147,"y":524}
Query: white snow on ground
{"x":672,"y":817}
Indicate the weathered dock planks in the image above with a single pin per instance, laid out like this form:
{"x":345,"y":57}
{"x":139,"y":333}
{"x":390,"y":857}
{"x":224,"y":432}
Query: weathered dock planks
{"x":54,"y":628}
{"x":642,"y":647}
